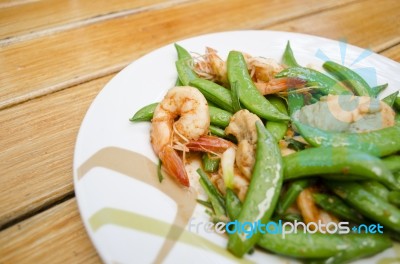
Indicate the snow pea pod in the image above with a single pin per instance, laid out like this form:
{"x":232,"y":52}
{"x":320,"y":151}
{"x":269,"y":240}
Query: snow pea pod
{"x":290,"y":196}
{"x":376,"y":188}
{"x":333,"y":204}
{"x":263,"y":192}
{"x":248,"y":94}
{"x":318,"y":245}
{"x":392,"y":163}
{"x":394,"y":198}
{"x":313,"y":77}
{"x":390,"y":99}
{"x":145,"y":113}
{"x":396,"y":104}
{"x":214,"y":196}
{"x":213,"y":92}
{"x":288,"y":58}
{"x":278,"y":129}
{"x":233,"y":204}
{"x":378,"y":143}
{"x":337,"y":160}
{"x":219,"y":117}
{"x":367,"y":203}
{"x":185,"y":72}
{"x":378,"y":89}
{"x":183,"y":55}
{"x":210,"y":162}
{"x":354,"y":81}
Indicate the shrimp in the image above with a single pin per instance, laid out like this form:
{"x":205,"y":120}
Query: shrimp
{"x":212,"y":67}
{"x":310,"y":211}
{"x":190,"y":106}
{"x":243,"y":127}
{"x":279,"y":85}
{"x":261,"y":70}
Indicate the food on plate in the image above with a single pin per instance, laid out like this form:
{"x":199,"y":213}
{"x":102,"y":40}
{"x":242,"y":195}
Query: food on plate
{"x":283,"y":144}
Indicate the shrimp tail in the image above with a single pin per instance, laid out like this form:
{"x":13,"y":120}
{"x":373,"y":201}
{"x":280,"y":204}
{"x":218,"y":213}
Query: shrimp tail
{"x":173,"y":164}
{"x":279,"y":85}
{"x":210,"y":144}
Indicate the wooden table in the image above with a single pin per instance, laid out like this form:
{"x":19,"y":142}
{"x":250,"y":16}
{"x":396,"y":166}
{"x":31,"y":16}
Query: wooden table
{"x":55,"y":56}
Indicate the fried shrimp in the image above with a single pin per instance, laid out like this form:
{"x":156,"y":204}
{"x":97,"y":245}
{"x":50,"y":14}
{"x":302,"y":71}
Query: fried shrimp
{"x":261,"y":70}
{"x":242,"y":126}
{"x":310,"y":211}
{"x":212,"y":67}
{"x":169,"y":133}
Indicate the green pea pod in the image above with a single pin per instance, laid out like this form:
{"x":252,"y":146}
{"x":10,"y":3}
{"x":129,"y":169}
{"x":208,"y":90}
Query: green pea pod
{"x":291,"y":217}
{"x":336,"y":206}
{"x":183,"y":55}
{"x":233,"y":204}
{"x":316,"y":245}
{"x":295,"y":102}
{"x":288,"y":58}
{"x":392,"y":163}
{"x":185,"y":72}
{"x":249,"y":96}
{"x":319,"y":245}
{"x":365,"y":245}
{"x":390,"y":99}
{"x":214,"y":196}
{"x":337,"y":160}
{"x":378,"y":143}
{"x":235,"y":98}
{"x":278,"y":129}
{"x":205,"y":203}
{"x":159,"y":171}
{"x":376,"y":188}
{"x":210,"y":162}
{"x":367,"y":203}
{"x":263,"y":192}
{"x":213,"y":92}
{"x":219,"y":132}
{"x":219,"y":117}
{"x":354,"y":81}
{"x":394,"y":198}
{"x":327,"y":85}
{"x":295,"y":188}
{"x":397,"y":104}
{"x":378,"y":89}
{"x":178,"y":82}
{"x":144,"y":113}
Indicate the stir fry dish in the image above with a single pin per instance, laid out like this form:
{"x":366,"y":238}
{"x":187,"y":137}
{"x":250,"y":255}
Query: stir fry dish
{"x":282,"y":146}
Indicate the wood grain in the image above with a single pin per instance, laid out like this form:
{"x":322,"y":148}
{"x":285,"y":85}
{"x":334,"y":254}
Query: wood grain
{"x":54,"y":236}
{"x":393,"y":53}
{"x":41,"y":153}
{"x":30,"y":19}
{"x":40,"y":66}
{"x":364,"y":23}
{"x":40,"y":150}
{"x":37,"y":140}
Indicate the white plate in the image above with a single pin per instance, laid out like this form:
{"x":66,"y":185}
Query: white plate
{"x":127,"y":213}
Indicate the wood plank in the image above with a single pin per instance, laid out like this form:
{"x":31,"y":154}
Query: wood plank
{"x":114,"y":43}
{"x":37,"y":17}
{"x":54,"y":236}
{"x":360,"y":23}
{"x":36,"y":161}
{"x":392,"y":53}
